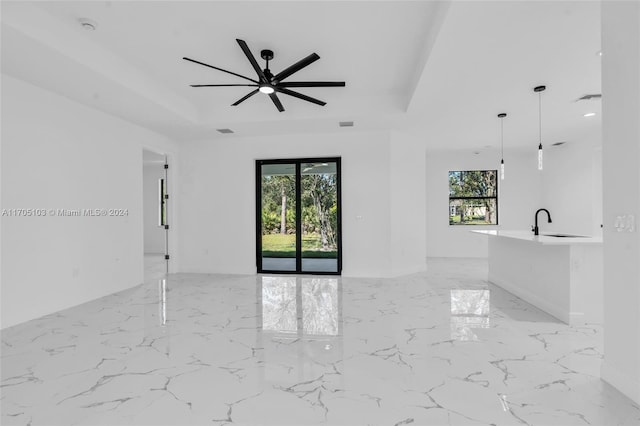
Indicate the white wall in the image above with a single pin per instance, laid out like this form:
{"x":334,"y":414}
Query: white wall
{"x":518,"y":198}
{"x":217,"y":219}
{"x":153,"y":234}
{"x":58,"y":154}
{"x":570,"y":189}
{"x":408,"y":205}
{"x":621,"y":184}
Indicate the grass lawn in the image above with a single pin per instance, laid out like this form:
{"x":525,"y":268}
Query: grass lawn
{"x":278,"y":245}
{"x":455,"y":220}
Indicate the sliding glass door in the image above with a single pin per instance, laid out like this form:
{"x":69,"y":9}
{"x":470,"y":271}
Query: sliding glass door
{"x":298,"y":222}
{"x":277,"y":221}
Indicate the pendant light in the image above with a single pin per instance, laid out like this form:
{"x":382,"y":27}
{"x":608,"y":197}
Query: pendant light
{"x":501,"y":116}
{"x":539,"y":90}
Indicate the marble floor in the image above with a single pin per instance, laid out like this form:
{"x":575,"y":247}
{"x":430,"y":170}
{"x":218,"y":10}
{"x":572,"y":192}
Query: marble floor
{"x":437,"y":348}
{"x":155,"y":266}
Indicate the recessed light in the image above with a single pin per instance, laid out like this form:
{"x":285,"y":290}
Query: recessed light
{"x":589,"y":114}
{"x":88,"y":24}
{"x":599,"y":53}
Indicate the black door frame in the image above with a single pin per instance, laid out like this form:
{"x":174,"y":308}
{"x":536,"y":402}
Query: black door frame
{"x":298,"y":183}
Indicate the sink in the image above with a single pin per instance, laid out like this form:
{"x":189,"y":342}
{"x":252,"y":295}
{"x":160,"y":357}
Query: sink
{"x":564,"y":236}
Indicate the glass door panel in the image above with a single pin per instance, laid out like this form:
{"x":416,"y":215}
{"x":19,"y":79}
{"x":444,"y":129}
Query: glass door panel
{"x":319,"y":197}
{"x":278,"y":243}
{"x":298,"y":224}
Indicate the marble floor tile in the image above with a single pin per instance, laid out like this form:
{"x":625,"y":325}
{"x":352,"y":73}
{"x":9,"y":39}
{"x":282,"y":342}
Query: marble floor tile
{"x":155,"y":266}
{"x":442,"y":347}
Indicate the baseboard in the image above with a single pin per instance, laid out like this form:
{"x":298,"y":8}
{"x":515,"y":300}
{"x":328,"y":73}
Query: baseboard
{"x":408,"y":271}
{"x":543,"y":304}
{"x":579,"y":318}
{"x":621,"y":381}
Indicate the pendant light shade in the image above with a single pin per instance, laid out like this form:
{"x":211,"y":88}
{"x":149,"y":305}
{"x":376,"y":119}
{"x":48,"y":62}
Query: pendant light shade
{"x":501,"y":116}
{"x":540,"y":157}
{"x":539,"y":90}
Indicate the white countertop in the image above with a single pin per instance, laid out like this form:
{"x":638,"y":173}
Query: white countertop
{"x":542,"y":239}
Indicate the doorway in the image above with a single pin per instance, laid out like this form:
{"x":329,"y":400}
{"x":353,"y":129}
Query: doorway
{"x":155,"y":214}
{"x":298,"y":216}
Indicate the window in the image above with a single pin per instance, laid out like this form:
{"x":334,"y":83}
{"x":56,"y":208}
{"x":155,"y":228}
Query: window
{"x":473,"y":197}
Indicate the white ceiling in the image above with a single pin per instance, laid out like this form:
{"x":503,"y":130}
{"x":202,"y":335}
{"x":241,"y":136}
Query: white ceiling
{"x":438,"y":69}
{"x":488,"y":58}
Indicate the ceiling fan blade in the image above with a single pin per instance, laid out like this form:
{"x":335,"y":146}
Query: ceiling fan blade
{"x":244,"y":98}
{"x":300,"y":96}
{"x":296,"y":67}
{"x":312,"y":84}
{"x":220,"y":69}
{"x":276,"y":101}
{"x":252,"y":59}
{"x":222,"y":85}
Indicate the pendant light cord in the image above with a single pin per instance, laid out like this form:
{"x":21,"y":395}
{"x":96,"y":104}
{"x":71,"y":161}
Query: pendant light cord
{"x":502,"y":138}
{"x":540,"y":117}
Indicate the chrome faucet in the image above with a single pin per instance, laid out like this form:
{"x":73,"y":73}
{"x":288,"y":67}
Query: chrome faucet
{"x":535,"y":229}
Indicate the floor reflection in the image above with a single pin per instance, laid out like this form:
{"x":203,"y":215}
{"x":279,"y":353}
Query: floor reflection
{"x":301,"y":323}
{"x":279,"y":304}
{"x":470,"y":310}
{"x":163,"y":301}
{"x":320,"y":307}
{"x":157,"y":329}
{"x":306,"y":306}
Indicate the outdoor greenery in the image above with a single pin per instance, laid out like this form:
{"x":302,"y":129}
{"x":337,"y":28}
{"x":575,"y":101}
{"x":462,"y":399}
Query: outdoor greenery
{"x":319,"y":215}
{"x":473,"y":197}
{"x":278,"y":245}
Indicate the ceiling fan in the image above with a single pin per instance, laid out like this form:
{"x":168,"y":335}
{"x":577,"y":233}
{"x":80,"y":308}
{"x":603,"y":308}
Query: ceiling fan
{"x":270,"y":84}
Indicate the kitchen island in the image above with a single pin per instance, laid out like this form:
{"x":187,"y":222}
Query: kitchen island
{"x":560,"y":275}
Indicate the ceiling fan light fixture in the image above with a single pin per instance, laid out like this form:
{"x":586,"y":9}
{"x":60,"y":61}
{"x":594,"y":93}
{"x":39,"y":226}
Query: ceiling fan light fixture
{"x":266,"y":89}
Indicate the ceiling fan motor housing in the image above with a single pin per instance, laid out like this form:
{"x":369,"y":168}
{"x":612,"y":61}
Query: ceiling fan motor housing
{"x":266,"y":54}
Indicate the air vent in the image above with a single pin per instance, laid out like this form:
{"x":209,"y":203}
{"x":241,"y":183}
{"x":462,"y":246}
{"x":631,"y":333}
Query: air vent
{"x":346,"y":124}
{"x":225,"y":131}
{"x":590,"y":97}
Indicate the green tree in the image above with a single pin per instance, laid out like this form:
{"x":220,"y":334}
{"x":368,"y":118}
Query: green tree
{"x":474,"y":183}
{"x":277,"y":193}
{"x":320,"y":190}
